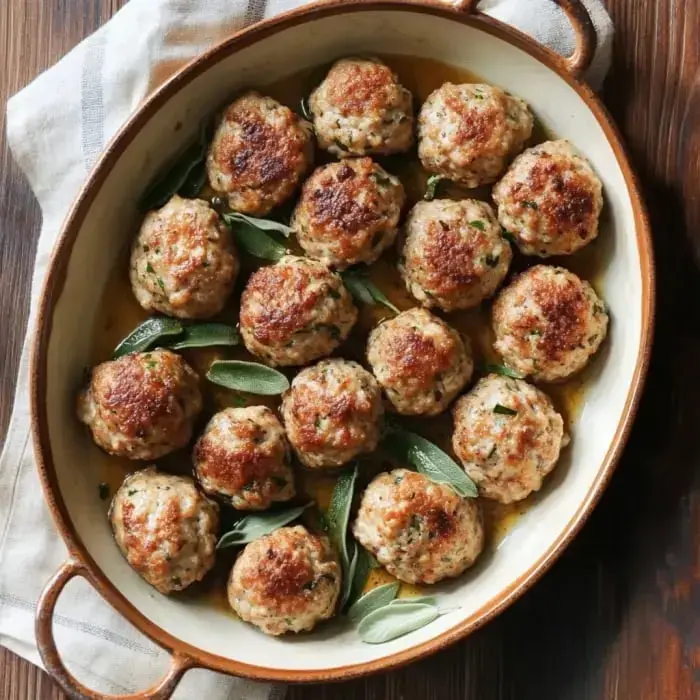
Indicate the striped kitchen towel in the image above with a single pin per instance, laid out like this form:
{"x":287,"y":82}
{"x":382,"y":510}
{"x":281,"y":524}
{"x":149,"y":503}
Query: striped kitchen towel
{"x":57,"y":127}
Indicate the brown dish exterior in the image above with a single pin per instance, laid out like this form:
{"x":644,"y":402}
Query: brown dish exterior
{"x":81,"y":563}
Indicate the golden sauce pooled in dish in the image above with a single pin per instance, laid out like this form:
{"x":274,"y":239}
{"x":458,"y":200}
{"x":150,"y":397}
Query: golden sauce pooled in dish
{"x":122,"y":314}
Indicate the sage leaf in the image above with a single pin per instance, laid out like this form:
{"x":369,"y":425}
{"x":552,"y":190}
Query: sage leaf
{"x":255,"y":240}
{"x":146,"y":334}
{"x":373,"y":563}
{"x":305,"y":109}
{"x":360,"y":574}
{"x":509,"y":237}
{"x":338,"y":515}
{"x":364,"y":290}
{"x":393,"y":621}
{"x":182,"y":177}
{"x":349,"y":573}
{"x":253,"y":527}
{"x":372,"y":600}
{"x":234,"y":217}
{"x":419,"y":599}
{"x":503,"y":370}
{"x":478,"y":224}
{"x":432,"y":186}
{"x":251,"y":377}
{"x":429,"y":460}
{"x":202,"y":335}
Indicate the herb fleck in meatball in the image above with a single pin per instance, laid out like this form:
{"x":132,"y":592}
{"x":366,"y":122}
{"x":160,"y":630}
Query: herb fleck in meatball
{"x":348,"y":212}
{"x":550,"y":200}
{"x":183,"y":261}
{"x":243,"y":457}
{"x":142,"y":405}
{"x":420,"y":361}
{"x":295,"y":311}
{"x":361,"y":108}
{"x":508,"y":436}
{"x":260,"y":152}
{"x":548,"y":323}
{"x":287,"y":581}
{"x":422,"y":532}
{"x":453,"y":254}
{"x":332,"y":413}
{"x":165,"y":528}
{"x":468,"y":133}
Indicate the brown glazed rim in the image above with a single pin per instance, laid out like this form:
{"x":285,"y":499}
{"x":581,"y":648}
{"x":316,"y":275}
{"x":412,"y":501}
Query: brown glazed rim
{"x":57,"y":274}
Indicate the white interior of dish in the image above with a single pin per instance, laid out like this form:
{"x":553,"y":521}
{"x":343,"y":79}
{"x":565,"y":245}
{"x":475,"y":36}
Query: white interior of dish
{"x":111,"y":220}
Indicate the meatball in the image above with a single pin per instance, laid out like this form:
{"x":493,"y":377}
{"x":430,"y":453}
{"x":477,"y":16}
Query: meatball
{"x":165,"y":528}
{"x":548,"y":323}
{"x":287,"y":581}
{"x":453,"y":253}
{"x":468,"y":133}
{"x":259,"y":155}
{"x":142,"y":405}
{"x":550,"y":200}
{"x":243,"y":457}
{"x":508,"y":436}
{"x":420,"y":361}
{"x":348,"y":212}
{"x":295,"y":311}
{"x":332,"y":413}
{"x":422,"y":532}
{"x":361,"y":108}
{"x":183,"y":261}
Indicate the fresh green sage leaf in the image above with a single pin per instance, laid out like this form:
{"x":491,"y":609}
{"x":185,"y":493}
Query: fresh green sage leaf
{"x":251,"y":377}
{"x":255,"y":240}
{"x":503,"y":370}
{"x":373,"y":563}
{"x":146,"y":334}
{"x":255,"y":526}
{"x":478,"y":224}
{"x":510,"y":237}
{"x":432,"y":186}
{"x":415,"y":600}
{"x":364,"y":290}
{"x":234,"y":217}
{"x":504,"y":410}
{"x":372,"y":600}
{"x":349,"y":572}
{"x":192,"y":186}
{"x":305,"y":109}
{"x":359,"y":575}
{"x":202,"y":335}
{"x":338,"y":515}
{"x":393,"y":621}
{"x":429,"y":460}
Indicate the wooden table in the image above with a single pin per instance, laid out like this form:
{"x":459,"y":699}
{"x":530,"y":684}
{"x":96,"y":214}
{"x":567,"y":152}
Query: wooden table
{"x":616,"y":617}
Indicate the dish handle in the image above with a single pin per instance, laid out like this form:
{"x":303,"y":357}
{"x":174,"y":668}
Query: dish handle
{"x":46,"y":643}
{"x":575,"y":10}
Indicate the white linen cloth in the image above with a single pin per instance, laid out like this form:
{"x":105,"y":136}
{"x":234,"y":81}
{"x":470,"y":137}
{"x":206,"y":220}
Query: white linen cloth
{"x":57,"y":127}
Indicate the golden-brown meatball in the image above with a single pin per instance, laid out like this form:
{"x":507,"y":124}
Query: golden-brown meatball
{"x":360,"y":108}
{"x":548,"y":323}
{"x":165,"y":528}
{"x":508,"y":436}
{"x":453,"y":254}
{"x":183,"y":261}
{"x":468,"y":133}
{"x":420,"y":362}
{"x":348,"y":212}
{"x":142,"y":405}
{"x":332,"y":413}
{"x":259,"y":154}
{"x":550,"y":200}
{"x":295,"y":311}
{"x":243,"y":457}
{"x":422,"y":532}
{"x":287,"y":581}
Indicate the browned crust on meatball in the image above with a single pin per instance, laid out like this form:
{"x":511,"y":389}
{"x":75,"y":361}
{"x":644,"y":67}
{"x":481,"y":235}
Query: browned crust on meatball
{"x":242,"y":467}
{"x":356,"y":88}
{"x":572,"y":209}
{"x":563,"y":308}
{"x":275,"y":324}
{"x":479,"y":128}
{"x":411,"y":355}
{"x":137,"y":398}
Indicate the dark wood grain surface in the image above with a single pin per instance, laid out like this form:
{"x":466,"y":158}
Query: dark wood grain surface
{"x":618,"y":617}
